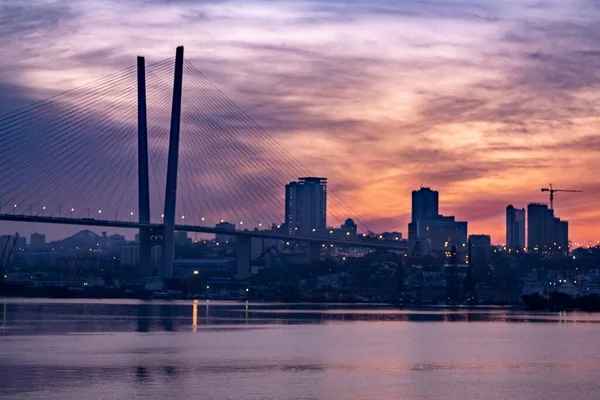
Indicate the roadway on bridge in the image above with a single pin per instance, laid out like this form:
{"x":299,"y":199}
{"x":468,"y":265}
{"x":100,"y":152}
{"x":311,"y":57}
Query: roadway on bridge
{"x":204,"y":229}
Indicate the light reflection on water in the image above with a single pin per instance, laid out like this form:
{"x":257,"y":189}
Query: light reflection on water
{"x":73,"y":349}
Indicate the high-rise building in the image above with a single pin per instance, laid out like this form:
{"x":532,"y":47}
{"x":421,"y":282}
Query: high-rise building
{"x":425,"y":204}
{"x":545,"y":232}
{"x":562,"y":235}
{"x":539,"y":222}
{"x":515,"y":228}
{"x":37,"y":241}
{"x":306,"y":205}
{"x":432,"y":231}
{"x":481,"y":249}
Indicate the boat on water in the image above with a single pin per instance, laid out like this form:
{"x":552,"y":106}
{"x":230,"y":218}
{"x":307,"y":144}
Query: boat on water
{"x":534,"y":295}
{"x":589,"y":297}
{"x":565,"y":294}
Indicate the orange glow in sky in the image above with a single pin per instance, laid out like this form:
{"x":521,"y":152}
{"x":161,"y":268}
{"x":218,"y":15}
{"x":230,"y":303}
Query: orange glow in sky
{"x":484,"y":101}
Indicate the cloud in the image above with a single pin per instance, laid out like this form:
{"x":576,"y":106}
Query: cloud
{"x":474,"y":98}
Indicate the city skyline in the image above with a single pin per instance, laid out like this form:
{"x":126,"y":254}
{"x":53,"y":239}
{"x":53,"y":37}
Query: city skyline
{"x":479,"y":144}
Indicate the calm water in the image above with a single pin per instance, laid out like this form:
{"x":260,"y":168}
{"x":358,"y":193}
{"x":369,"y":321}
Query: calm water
{"x":80,"y":349}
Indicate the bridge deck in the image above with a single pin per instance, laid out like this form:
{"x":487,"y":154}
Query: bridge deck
{"x":204,"y":229}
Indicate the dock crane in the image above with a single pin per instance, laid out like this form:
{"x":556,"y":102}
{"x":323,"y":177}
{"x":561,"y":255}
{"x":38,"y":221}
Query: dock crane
{"x":552,"y":191}
{"x":7,"y":254}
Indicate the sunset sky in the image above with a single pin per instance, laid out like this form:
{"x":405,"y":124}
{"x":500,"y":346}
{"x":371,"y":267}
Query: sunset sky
{"x":484,"y":101}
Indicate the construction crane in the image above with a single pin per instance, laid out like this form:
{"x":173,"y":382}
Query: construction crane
{"x":552,"y":191}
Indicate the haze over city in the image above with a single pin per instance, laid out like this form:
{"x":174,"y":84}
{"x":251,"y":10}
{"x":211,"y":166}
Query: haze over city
{"x":484,"y":102}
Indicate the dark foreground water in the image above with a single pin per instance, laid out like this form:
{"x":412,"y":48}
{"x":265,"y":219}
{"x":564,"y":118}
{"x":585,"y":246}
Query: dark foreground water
{"x":81,"y":349}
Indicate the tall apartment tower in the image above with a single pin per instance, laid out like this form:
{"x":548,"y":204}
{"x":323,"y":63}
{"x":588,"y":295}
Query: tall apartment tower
{"x":515,"y":228}
{"x":425,"y":207}
{"x":545,"y":232}
{"x":306,"y":205}
{"x":425,"y":204}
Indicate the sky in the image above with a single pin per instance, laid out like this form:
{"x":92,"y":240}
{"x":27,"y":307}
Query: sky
{"x":484,"y":101}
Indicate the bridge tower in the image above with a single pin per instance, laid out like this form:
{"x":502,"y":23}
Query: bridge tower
{"x":168,"y":255}
{"x":143,"y":180}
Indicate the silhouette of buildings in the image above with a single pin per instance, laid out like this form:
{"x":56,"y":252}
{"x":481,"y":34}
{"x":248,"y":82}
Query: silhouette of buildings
{"x":432,"y":231}
{"x":349,"y":227}
{"x":221,"y":238}
{"x":130,"y":255}
{"x":425,"y":204}
{"x":515,"y":228}
{"x":545,"y":232}
{"x":348,"y":230}
{"x":37,"y":241}
{"x":181,"y":239}
{"x":481,"y":249}
{"x":391,"y":236}
{"x":306,"y":206}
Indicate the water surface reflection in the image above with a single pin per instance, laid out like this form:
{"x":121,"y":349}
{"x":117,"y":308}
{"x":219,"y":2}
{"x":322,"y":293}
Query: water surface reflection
{"x":197,"y":349}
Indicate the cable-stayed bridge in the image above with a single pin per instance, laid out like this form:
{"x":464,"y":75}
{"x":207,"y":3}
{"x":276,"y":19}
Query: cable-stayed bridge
{"x":98,"y":155}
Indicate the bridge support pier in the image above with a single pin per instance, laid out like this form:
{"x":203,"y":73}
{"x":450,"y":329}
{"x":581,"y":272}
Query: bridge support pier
{"x":243,"y":250}
{"x":314,"y":252}
{"x":168,"y":255}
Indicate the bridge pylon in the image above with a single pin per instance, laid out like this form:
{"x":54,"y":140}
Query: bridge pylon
{"x":145,"y":269}
{"x":168,"y":255}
